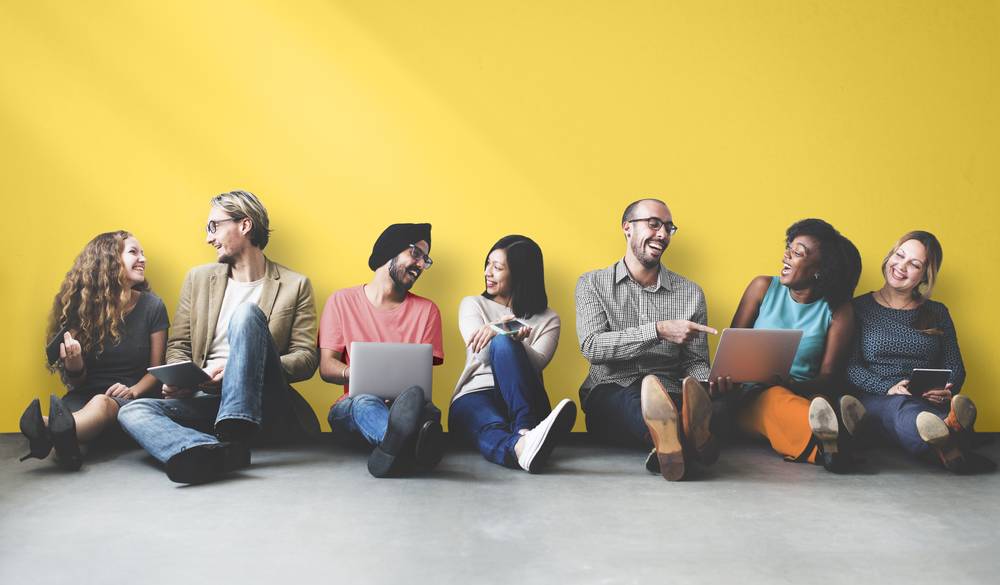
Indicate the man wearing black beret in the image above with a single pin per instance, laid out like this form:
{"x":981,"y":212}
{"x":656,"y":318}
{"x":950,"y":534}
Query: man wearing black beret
{"x":406,"y":433}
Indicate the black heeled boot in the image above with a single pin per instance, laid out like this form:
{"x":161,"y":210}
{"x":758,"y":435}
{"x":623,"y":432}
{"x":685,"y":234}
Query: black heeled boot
{"x":62,"y":428}
{"x":33,"y":427}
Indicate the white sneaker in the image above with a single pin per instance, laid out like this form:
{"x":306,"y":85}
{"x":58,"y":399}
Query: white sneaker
{"x":539,"y":441}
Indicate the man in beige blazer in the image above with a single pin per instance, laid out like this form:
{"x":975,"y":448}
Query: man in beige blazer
{"x":251,"y":324}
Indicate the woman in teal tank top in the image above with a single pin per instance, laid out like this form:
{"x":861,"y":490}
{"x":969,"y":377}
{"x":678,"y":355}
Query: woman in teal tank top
{"x":820,"y":270}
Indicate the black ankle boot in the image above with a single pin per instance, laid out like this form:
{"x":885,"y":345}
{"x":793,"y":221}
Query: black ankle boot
{"x":33,"y":427}
{"x":62,"y":428}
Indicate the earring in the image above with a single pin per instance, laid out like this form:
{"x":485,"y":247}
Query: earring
{"x":816,"y":276}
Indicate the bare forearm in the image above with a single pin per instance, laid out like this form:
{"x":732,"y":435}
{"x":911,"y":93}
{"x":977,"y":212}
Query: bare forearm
{"x":147,"y":385}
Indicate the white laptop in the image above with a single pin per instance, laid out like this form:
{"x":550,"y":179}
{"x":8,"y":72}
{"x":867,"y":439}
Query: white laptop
{"x":387,"y":369}
{"x":755,"y":355}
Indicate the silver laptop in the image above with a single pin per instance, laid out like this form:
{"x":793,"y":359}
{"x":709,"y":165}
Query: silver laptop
{"x":387,"y":369}
{"x":755,"y":355}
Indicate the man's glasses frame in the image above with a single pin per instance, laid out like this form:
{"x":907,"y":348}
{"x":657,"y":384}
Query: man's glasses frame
{"x":656,"y":223}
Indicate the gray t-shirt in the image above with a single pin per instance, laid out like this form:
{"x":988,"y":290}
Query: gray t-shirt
{"x":126,"y":361}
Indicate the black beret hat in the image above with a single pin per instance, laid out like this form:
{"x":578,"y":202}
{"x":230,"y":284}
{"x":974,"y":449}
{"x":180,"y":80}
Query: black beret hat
{"x":397,"y":238}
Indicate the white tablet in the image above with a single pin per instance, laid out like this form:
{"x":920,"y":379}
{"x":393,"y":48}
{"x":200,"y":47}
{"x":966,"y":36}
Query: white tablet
{"x":755,"y":355}
{"x":180,"y":374}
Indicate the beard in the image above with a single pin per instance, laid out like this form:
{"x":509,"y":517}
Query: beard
{"x":226,"y":259}
{"x":642,"y":254}
{"x":398,"y":275}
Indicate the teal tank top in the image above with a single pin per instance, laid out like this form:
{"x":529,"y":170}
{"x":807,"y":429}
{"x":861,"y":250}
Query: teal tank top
{"x":779,"y":310}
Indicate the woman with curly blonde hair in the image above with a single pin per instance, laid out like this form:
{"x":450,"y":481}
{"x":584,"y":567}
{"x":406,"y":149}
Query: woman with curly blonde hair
{"x":111,"y":327}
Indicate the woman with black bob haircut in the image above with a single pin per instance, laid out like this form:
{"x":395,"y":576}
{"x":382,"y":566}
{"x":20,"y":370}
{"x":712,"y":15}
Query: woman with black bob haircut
{"x":819,"y":271}
{"x":511,"y":334}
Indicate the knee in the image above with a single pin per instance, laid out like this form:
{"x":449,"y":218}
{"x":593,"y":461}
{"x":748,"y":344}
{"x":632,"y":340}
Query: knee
{"x":246,"y":316}
{"x":135,"y":410}
{"x":503,"y":347}
{"x":106,"y":404}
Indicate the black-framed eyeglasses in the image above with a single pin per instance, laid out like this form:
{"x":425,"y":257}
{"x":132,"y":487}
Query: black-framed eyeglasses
{"x":214,"y":224}
{"x":420,"y":256}
{"x":656,"y":223}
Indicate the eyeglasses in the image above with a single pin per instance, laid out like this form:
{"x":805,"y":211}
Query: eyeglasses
{"x":420,"y":256}
{"x":656,"y":223}
{"x":214,"y":224}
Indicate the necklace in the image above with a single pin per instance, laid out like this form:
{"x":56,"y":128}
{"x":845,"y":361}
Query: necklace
{"x":886,"y":302}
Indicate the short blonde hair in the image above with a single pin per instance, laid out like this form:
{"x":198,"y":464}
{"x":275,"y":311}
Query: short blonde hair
{"x":245,"y":205}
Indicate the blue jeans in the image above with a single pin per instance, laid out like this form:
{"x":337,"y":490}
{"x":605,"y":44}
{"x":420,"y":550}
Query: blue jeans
{"x":361,"y":420}
{"x":896,"y":417}
{"x":491,"y":419}
{"x":253,"y":389}
{"x":614,"y":415}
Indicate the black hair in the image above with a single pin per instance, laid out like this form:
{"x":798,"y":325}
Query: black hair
{"x":527,"y":275}
{"x":839,"y":260}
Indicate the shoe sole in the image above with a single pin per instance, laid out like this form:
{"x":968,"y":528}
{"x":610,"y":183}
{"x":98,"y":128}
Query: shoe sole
{"x":936,"y":433}
{"x":851,"y":411}
{"x":565,"y":413}
{"x":660,"y":415}
{"x":205,"y":463}
{"x":823,"y":422}
{"x":696,"y":415}
{"x":964,"y":412}
{"x":33,"y":428}
{"x":404,"y":418}
{"x":62,"y":428}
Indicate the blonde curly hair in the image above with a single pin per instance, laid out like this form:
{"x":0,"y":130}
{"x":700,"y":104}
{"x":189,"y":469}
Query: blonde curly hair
{"x":94,"y":296}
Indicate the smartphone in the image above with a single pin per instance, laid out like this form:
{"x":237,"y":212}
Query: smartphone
{"x":508,"y":327}
{"x":52,"y":348}
{"x":922,"y":380}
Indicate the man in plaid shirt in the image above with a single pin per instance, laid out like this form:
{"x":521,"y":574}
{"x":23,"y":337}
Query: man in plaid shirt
{"x":643,"y":329}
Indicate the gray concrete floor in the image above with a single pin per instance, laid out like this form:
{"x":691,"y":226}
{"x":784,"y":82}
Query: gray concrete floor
{"x":313,"y":514}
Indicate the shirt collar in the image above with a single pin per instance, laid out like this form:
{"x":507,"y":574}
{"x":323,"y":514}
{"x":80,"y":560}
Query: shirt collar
{"x":621,"y":273}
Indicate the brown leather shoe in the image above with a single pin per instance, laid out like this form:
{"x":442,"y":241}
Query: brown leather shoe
{"x":661,"y":418}
{"x":696,"y":416}
{"x":936,"y":433}
{"x":963,"y":414}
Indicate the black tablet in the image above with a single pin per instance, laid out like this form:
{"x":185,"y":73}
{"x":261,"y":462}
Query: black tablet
{"x":922,"y":380}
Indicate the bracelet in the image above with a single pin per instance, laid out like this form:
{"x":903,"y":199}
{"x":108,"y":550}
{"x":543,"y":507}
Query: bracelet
{"x":343,"y":373}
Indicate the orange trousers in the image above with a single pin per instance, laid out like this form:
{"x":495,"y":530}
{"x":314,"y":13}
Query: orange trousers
{"x":782,"y":417}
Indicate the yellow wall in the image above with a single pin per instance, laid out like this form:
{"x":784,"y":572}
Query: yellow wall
{"x":488,"y":118}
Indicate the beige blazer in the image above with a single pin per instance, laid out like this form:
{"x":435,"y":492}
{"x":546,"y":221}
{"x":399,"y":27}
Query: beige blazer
{"x":286,"y":299}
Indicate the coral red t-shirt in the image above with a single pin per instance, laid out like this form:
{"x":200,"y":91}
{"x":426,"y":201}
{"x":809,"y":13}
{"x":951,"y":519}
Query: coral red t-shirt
{"x":349,"y":316}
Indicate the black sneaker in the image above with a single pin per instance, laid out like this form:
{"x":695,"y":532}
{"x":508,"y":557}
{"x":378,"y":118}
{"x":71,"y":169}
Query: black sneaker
{"x":653,"y":462}
{"x":404,"y":421}
{"x":205,"y":463}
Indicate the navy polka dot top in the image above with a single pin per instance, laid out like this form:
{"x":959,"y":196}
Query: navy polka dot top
{"x":888,"y":348}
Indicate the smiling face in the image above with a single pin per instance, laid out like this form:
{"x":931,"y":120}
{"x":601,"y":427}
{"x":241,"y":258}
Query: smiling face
{"x":906,"y":267}
{"x":134,"y":261}
{"x":231,"y":236}
{"x":497,"y":273}
{"x":404,"y":269}
{"x":644,"y":243}
{"x":800,"y":264}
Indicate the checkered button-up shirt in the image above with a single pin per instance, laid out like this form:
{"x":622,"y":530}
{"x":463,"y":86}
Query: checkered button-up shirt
{"x":616,"y":323}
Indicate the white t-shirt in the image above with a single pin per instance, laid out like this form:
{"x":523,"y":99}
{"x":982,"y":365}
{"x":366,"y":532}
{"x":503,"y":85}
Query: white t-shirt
{"x":540,"y":345}
{"x":237,"y":293}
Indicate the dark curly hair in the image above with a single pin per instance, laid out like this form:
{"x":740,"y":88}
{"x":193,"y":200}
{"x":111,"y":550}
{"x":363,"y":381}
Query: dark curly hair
{"x":93,"y":297}
{"x":839,"y":260}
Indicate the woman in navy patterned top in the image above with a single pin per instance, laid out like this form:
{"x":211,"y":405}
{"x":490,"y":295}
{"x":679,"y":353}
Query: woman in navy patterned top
{"x":899,"y":329}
